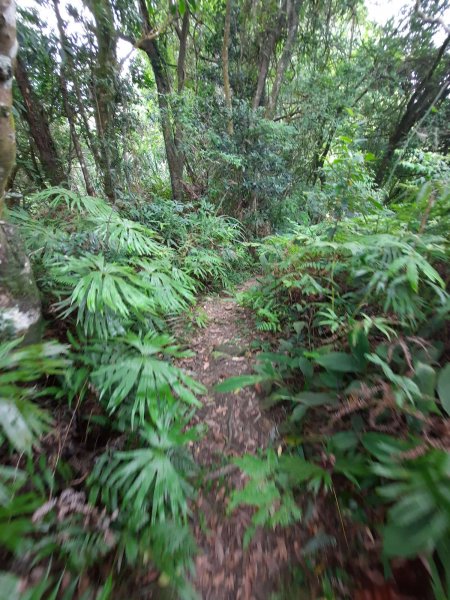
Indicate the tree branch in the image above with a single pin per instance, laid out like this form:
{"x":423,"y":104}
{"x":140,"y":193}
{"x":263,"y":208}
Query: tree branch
{"x":432,"y":20}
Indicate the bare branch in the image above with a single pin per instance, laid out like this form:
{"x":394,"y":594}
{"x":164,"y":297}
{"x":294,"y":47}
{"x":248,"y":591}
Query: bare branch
{"x":432,"y":20}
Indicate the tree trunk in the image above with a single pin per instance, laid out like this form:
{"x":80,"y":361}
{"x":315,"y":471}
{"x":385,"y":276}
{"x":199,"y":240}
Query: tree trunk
{"x":105,"y":91}
{"x":431,"y":89}
{"x":181,"y":78}
{"x":268,"y":43}
{"x":39,"y":128}
{"x":74,"y":135}
{"x":293,"y":9}
{"x":225,"y":66}
{"x":67,"y":106}
{"x":175,"y":160}
{"x":19,"y":298}
{"x":181,"y":63}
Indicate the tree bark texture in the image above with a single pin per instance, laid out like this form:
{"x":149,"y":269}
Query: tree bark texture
{"x":175,"y":160}
{"x":37,"y":121}
{"x":268,"y":42}
{"x":105,"y":91}
{"x":225,"y":67}
{"x":19,"y":297}
{"x":293,"y":9}
{"x":429,"y":90}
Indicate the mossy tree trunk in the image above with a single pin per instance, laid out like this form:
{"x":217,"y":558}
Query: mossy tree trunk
{"x":106,"y":91}
{"x":19,"y":298}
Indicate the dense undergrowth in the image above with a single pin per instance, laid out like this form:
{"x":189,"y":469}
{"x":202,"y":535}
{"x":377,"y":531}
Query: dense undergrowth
{"x":360,"y":365}
{"x":105,"y":490}
{"x":169,"y":149}
{"x":96,"y":471}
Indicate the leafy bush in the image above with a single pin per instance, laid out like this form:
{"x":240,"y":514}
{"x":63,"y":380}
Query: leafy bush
{"x":153,"y":477}
{"x":112,"y":283}
{"x":210,"y":247}
{"x":361,"y":368}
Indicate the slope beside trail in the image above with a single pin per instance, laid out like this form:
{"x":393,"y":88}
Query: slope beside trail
{"x":236,"y":425}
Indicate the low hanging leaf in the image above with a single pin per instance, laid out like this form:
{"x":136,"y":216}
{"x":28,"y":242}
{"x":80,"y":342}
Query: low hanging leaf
{"x":22,"y":422}
{"x":425,"y":377}
{"x":307,"y":400}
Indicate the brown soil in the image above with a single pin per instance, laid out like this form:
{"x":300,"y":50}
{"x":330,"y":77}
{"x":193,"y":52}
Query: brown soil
{"x":236,"y":425}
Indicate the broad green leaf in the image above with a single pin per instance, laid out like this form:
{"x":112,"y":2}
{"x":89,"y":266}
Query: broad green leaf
{"x":412,"y":273}
{"x":315,"y":398}
{"x":237,"y":383}
{"x":443,"y":387}
{"x":9,"y":586}
{"x":425,"y":377}
{"x":339,"y":361}
{"x":384,"y":446}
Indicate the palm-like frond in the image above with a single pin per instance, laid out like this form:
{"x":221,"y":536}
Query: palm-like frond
{"x":104,"y":294}
{"x":173,"y":290}
{"x":135,"y":367}
{"x":40,"y":238}
{"x":147,"y":478}
{"x":129,"y":237}
{"x":57,"y":197}
{"x":205,"y":265}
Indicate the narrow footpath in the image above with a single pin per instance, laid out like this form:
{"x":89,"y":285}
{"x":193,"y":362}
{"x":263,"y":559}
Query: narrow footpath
{"x":236,"y":426}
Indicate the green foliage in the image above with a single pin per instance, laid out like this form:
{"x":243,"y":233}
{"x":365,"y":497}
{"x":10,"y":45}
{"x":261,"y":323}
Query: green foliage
{"x":114,"y":283}
{"x":360,"y":315}
{"x":153,"y":477}
{"x":358,"y":302}
{"x":272,"y":481}
{"x":347,"y":185}
{"x":210,"y":247}
{"x":102,"y":293}
{"x":136,"y":369}
{"x":419,"y":514}
{"x":21,"y":420}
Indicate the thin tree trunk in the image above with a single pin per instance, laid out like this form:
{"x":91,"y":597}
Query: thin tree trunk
{"x":90,"y":139}
{"x":181,"y":78}
{"x":39,"y":128}
{"x":8,"y":48}
{"x":181,"y":64}
{"x":269,"y":41}
{"x":225,"y":66}
{"x":74,"y":135}
{"x":174,"y":158}
{"x":293,"y":9}
{"x":67,"y":106}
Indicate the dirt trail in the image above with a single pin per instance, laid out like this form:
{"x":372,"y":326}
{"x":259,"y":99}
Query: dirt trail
{"x":236,"y":425}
